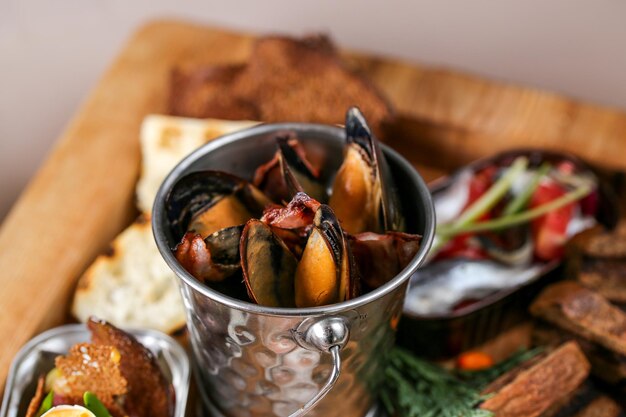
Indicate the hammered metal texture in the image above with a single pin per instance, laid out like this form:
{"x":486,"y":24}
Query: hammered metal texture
{"x":247,"y":360}
{"x":250,"y":364}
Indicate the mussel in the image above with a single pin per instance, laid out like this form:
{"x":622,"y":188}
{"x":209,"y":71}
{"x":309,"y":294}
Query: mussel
{"x":277,"y":241}
{"x":207,"y":201}
{"x":212,"y":259}
{"x":363,"y":195}
{"x":325,"y":272}
{"x":268,"y":266}
{"x":289,"y":172}
{"x":380,"y":257}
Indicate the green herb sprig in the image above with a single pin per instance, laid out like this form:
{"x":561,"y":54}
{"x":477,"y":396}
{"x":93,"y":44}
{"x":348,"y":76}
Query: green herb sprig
{"x":415,"y":387}
{"x":482,"y":205}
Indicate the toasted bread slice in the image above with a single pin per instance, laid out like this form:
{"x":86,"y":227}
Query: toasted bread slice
{"x":605,"y":276}
{"x":572,"y":307}
{"x":148,"y":392}
{"x":94,"y":368}
{"x":605,"y":364}
{"x":601,"y":406}
{"x":284,"y":80}
{"x":597,"y":259}
{"x":165,"y":141}
{"x":204,"y":92}
{"x":539,"y":389}
{"x":601,"y":243}
{"x":131,"y":286}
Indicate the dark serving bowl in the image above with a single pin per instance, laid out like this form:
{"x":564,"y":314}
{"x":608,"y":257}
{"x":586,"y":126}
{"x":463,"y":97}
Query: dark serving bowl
{"x":446,"y":335}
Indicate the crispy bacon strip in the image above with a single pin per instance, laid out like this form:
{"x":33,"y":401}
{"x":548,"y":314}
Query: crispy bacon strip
{"x":35,"y":403}
{"x":195,"y":256}
{"x":269,"y":179}
{"x":379,"y":258}
{"x":298,"y":214}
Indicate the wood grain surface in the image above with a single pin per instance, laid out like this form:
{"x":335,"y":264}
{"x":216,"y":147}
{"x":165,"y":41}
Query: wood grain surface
{"x":83,"y":194}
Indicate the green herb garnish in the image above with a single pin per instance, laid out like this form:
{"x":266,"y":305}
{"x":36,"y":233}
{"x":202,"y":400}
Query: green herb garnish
{"x":519,"y":218}
{"x":482,"y":205}
{"x":93,"y":404}
{"x":415,"y":387}
{"x":46,"y":404}
{"x":494,"y":194}
{"x":521,"y":200}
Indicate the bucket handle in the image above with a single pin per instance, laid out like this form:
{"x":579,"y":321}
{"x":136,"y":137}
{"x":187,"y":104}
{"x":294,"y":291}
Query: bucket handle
{"x":327,"y":335}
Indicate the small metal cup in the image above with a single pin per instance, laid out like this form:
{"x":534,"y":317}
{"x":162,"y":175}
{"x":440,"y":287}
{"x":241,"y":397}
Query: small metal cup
{"x":253,"y":360}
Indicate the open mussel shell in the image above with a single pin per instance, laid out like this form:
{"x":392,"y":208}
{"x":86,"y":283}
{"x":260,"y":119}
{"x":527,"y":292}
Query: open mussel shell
{"x":268,"y":266}
{"x":213,"y":259}
{"x":297,"y":172}
{"x":363,"y":193}
{"x":224,"y":245}
{"x":207,"y":201}
{"x":325,"y":271}
{"x":289,"y":172}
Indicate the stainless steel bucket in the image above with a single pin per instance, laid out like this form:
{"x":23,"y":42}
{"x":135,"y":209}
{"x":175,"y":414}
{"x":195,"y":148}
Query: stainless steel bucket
{"x":259,"y":361}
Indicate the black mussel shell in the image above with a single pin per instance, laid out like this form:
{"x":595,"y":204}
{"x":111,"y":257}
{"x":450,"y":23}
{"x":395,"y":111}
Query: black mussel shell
{"x":195,"y":194}
{"x":268,"y":266}
{"x":375,"y":207}
{"x":297,"y":173}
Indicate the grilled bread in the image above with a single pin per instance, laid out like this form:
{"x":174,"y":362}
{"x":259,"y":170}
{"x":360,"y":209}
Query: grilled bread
{"x":576,"y":309}
{"x":541,"y":386}
{"x":284,"y":80}
{"x":131,"y":286}
{"x":605,"y":364}
{"x":569,"y":311}
{"x":165,"y":141}
{"x":597,"y":259}
{"x":602,"y":406}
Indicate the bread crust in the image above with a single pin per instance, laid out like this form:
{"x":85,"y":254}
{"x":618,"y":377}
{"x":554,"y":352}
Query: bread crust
{"x":131,"y":285}
{"x":284,"y":80}
{"x":583,"y":312}
{"x":602,"y":406}
{"x":540,"y":389}
{"x":605,"y":364}
{"x":597,"y":258}
{"x":149,"y":394}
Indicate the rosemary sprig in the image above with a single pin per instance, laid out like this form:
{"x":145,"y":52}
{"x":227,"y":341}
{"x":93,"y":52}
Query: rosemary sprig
{"x":414,"y":387}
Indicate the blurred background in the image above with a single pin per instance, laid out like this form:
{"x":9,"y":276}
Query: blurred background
{"x":53,"y":52}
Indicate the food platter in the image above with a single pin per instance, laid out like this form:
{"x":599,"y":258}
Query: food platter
{"x":444,"y":120}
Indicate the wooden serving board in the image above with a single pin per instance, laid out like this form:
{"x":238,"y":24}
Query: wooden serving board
{"x":83,"y":194}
